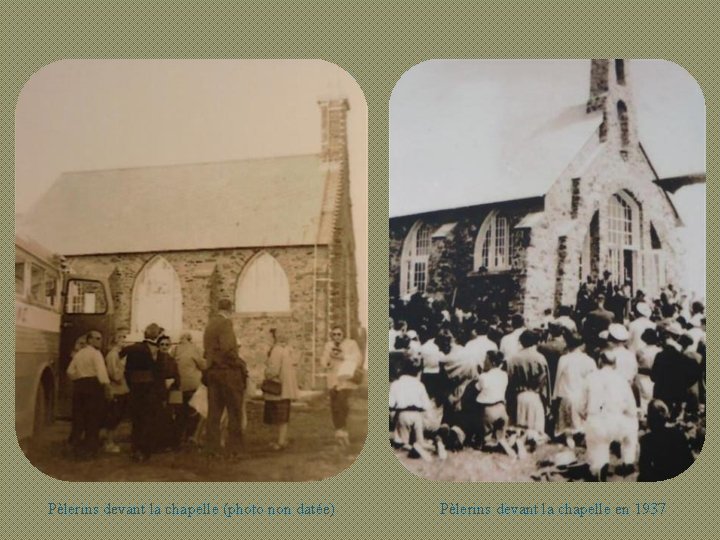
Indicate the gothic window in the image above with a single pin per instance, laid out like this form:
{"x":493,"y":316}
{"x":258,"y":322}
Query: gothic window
{"x":262,"y":287}
{"x":602,"y":130}
{"x":658,"y":258}
{"x":414,"y":260}
{"x":157,"y":298}
{"x":575,"y":198}
{"x":623,"y":120}
{"x":620,"y":71}
{"x":655,"y":242}
{"x":623,"y":235}
{"x":492,"y":246}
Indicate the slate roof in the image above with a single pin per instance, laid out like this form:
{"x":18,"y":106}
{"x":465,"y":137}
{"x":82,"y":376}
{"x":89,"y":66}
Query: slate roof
{"x":283,"y":201}
{"x":533,"y":165}
{"x":519,"y":146}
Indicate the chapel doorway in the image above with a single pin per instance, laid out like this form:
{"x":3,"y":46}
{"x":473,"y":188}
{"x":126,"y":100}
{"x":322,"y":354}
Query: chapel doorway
{"x":628,"y":275}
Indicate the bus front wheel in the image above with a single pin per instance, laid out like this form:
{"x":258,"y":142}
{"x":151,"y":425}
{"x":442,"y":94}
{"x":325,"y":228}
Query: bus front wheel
{"x":41,"y":420}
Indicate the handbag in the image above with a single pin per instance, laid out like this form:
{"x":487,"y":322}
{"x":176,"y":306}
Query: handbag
{"x":272,"y":387}
{"x":358,"y":376}
{"x":199,"y":401}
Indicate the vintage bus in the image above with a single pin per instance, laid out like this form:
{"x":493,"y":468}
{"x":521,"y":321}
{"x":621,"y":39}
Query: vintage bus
{"x":52,"y":310}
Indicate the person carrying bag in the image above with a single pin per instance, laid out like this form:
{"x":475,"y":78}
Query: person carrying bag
{"x":280,"y":386}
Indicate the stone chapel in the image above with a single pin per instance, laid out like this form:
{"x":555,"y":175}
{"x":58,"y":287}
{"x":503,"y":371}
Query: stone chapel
{"x":599,"y":206}
{"x":274,"y":234}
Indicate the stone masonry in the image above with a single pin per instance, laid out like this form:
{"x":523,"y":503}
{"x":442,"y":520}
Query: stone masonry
{"x":546,"y":256}
{"x":207,"y":275}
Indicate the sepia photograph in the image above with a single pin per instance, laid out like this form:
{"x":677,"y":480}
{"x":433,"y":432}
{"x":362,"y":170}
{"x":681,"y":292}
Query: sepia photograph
{"x":191,"y":270}
{"x":547,"y":270}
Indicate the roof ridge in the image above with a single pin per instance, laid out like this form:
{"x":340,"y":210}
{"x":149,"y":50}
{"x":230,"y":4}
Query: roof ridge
{"x":187,"y":164}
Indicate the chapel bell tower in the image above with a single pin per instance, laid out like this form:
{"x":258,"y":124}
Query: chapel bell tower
{"x":610,"y":93}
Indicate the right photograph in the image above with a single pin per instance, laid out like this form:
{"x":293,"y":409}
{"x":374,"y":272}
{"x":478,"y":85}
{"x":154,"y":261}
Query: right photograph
{"x":547,"y":270}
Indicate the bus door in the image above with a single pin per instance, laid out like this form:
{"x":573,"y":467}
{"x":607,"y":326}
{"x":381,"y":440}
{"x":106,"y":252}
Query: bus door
{"x":87,"y":306}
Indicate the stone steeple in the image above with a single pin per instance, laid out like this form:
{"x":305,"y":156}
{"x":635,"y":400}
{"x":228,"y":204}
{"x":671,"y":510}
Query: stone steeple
{"x":610,"y":93}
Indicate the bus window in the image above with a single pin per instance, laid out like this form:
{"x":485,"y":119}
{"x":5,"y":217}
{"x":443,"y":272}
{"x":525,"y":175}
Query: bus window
{"x":37,"y":283}
{"x":85,"y":297}
{"x":43,"y":285}
{"x":51,"y":288}
{"x":20,"y":278}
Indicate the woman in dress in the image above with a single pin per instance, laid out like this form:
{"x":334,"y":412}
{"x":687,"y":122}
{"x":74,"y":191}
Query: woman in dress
{"x":573,"y":368}
{"x":281,"y":366}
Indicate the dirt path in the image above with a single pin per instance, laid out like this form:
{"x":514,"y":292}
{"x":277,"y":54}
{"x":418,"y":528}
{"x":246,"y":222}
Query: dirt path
{"x":312,"y":454}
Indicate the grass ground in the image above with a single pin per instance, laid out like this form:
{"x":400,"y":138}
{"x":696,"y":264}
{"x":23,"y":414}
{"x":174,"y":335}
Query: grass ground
{"x":471,"y":465}
{"x":312,"y":454}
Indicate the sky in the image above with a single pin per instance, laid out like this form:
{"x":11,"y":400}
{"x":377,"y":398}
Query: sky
{"x":78,"y":115}
{"x":456,"y":124}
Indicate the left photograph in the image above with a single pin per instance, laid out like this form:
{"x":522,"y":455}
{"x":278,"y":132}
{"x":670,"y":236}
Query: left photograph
{"x":191,"y":270}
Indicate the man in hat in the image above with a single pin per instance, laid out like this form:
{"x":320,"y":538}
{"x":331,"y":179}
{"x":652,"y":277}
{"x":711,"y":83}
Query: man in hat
{"x":596,"y":321}
{"x":638,"y":326}
{"x":225,"y":378}
{"x":609,"y":410}
{"x":625,"y":360}
{"x":142,"y":374}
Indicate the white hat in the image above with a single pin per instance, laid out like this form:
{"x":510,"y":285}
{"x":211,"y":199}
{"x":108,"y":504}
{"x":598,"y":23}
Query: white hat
{"x":412,"y":334}
{"x":618,"y":332}
{"x":603,"y":335}
{"x":643,"y":309}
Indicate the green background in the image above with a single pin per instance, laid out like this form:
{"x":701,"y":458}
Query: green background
{"x":375,"y":43}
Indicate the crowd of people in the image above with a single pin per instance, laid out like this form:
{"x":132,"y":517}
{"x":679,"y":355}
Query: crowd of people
{"x":184,"y":395}
{"x":617,"y":371}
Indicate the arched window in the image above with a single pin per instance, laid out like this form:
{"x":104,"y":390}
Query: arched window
{"x":157,"y":298}
{"x":624,"y":242}
{"x":492,"y":246}
{"x":414,"y":260}
{"x":623,"y":120}
{"x":658,"y":258}
{"x":262,"y":287}
{"x":620,"y":71}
